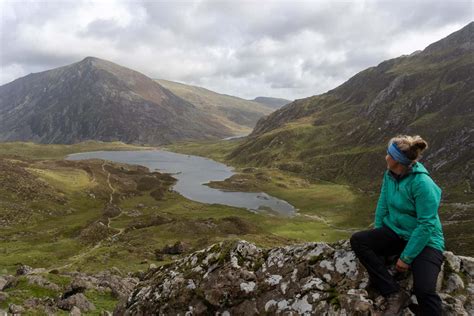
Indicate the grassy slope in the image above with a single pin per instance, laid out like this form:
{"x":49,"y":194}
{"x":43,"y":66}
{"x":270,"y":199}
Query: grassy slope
{"x":238,"y":114}
{"x":47,"y":234}
{"x":31,"y":150}
{"x":341,"y":135}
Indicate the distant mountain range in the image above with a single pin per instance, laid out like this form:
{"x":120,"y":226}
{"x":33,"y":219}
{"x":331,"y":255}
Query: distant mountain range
{"x":95,"y":99}
{"x":274,"y":103}
{"x":341,"y":135}
{"x":238,"y":115}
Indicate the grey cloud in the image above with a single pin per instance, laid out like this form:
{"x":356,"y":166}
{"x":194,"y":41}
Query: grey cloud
{"x":281,"y":48}
{"x":102,"y":29}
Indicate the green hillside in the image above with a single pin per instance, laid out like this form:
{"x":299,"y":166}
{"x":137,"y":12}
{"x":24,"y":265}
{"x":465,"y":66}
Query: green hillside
{"x":239,"y":115}
{"x":341,"y":135}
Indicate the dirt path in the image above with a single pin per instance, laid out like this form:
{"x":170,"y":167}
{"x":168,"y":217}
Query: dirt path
{"x":326,"y":222}
{"x":112,"y":238}
{"x":111,"y":200}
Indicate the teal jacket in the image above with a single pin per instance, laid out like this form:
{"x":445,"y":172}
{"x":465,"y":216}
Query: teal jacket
{"x":409,"y":206}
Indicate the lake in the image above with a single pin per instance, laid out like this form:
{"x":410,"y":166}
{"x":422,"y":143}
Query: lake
{"x":192,"y":173}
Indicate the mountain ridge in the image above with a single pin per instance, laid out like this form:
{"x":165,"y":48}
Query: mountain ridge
{"x":97,"y":99}
{"x":237,"y":114}
{"x":275,"y":103}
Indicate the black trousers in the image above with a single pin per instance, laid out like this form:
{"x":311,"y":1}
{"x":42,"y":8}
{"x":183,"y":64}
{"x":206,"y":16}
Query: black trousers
{"x":371,"y":246}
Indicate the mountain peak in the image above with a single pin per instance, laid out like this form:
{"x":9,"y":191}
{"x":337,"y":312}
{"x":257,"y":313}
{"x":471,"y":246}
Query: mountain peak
{"x":89,"y":58}
{"x":98,"y":62}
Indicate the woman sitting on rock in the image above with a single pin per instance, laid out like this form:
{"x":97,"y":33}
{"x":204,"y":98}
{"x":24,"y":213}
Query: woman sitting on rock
{"x":407,"y":225}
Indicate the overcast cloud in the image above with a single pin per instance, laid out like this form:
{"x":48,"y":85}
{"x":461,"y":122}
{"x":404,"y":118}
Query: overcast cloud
{"x":288,"y":49}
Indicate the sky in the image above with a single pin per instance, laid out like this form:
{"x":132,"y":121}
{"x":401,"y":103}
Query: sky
{"x":287,"y":49}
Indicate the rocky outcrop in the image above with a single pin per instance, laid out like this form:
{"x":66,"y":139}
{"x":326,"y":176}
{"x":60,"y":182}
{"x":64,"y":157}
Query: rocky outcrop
{"x":77,"y":300}
{"x":76,"y":297}
{"x":239,"y":278}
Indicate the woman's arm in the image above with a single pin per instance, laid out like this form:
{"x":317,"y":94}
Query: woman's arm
{"x":427,"y":196}
{"x":382,"y":208}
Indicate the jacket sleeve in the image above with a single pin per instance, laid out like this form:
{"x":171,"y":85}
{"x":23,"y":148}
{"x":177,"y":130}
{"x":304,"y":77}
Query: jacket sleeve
{"x":427,"y":197}
{"x":382,"y":208}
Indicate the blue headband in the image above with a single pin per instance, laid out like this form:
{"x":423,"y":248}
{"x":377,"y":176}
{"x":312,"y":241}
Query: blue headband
{"x":398,"y":155}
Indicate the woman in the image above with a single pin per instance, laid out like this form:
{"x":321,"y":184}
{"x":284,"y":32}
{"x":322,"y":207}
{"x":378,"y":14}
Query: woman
{"x":407,"y":225}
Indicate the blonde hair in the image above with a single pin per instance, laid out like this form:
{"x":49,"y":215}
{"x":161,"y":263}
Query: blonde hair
{"x":411,"y":146}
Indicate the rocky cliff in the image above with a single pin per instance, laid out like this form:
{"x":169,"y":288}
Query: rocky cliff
{"x":95,"y":99}
{"x":239,"y":278}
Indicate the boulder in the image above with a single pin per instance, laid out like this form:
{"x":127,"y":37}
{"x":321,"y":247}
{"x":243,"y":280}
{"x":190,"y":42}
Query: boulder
{"x":42,"y":282}
{"x":7,"y":281}
{"x":77,"y":300}
{"x":120,"y":287}
{"x":178,"y":248}
{"x":15,"y":309}
{"x":24,"y":270}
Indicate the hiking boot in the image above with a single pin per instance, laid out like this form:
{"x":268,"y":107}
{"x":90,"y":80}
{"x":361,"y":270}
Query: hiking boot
{"x":396,"y":302}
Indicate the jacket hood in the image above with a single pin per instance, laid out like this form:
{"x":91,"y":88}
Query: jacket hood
{"x":419,"y":168}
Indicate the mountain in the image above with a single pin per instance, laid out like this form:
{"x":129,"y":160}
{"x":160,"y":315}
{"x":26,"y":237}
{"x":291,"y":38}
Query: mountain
{"x":237,"y":114}
{"x":95,"y":99}
{"x":341,"y":135}
{"x":274,"y":103}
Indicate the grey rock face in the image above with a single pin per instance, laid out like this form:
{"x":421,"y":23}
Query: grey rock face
{"x":238,"y":278}
{"x":454,"y":283}
{"x":453,"y":260}
{"x":6,"y":281}
{"x":467,"y":265}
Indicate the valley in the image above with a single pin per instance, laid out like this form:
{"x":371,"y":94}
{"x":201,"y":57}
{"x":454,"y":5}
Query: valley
{"x":88,"y":208}
{"x":120,"y":214}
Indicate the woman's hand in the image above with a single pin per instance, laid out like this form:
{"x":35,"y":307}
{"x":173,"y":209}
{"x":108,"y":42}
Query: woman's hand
{"x":402,"y":266}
